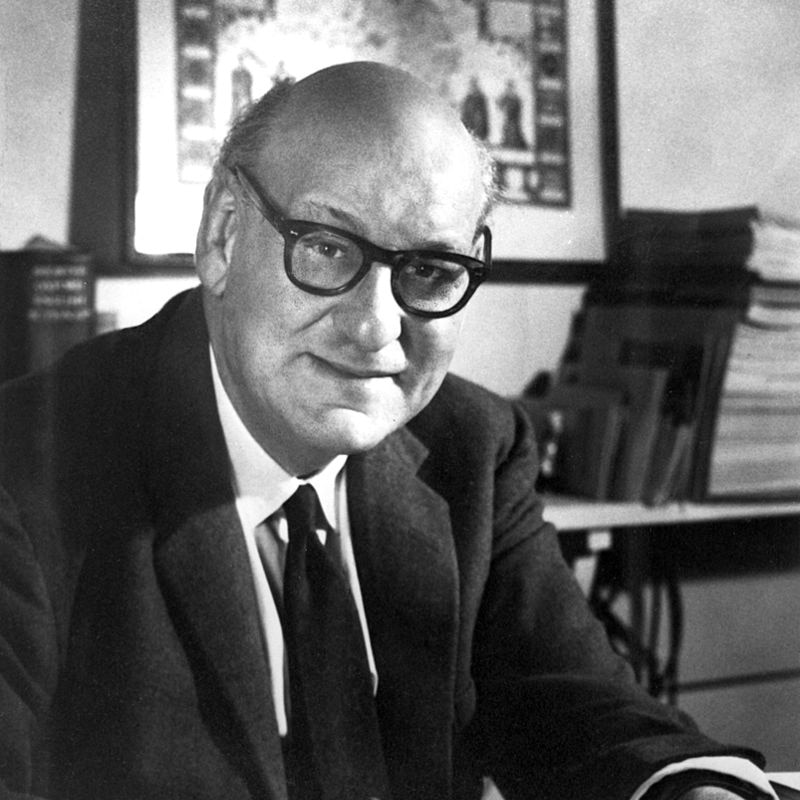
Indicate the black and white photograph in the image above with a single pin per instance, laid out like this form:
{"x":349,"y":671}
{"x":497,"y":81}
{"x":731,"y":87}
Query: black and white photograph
{"x":399,"y":400}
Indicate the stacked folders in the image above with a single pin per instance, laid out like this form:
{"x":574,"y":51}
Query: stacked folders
{"x":638,"y":388}
{"x":756,"y":447}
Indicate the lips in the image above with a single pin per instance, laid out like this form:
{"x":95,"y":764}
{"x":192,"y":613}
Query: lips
{"x":358,"y":371}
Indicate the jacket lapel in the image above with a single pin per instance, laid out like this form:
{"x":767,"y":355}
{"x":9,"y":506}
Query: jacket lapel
{"x":201,"y":556}
{"x":408,"y":574}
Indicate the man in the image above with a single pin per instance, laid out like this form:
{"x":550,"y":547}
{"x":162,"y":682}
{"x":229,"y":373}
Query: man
{"x":155,"y":636}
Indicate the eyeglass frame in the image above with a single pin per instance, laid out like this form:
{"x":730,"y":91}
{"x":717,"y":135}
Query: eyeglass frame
{"x":293,"y":229}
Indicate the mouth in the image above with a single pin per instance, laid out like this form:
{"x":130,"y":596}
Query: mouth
{"x":358,"y":372}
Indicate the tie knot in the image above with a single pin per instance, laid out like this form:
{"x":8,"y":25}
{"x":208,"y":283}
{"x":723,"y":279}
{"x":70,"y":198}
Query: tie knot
{"x":303,"y":512}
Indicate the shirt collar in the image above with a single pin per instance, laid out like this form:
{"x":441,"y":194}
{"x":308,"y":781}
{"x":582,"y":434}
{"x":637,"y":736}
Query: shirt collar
{"x":261,"y":485}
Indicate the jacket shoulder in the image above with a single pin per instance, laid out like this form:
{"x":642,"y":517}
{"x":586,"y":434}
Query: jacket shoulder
{"x":83,"y":407}
{"x":460,"y":403}
{"x":466,"y":418}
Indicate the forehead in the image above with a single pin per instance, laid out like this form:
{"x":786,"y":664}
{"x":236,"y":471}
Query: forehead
{"x":405,"y":180}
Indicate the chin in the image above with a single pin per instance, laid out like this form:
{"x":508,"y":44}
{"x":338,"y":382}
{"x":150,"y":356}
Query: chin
{"x":352,"y":432}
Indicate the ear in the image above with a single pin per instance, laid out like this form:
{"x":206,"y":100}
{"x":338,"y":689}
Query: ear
{"x":216,"y":235}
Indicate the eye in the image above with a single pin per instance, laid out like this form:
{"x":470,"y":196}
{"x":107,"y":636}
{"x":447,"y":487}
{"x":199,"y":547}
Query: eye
{"x":325,"y":246}
{"x":423,"y":270}
{"x":328,"y":249}
{"x":433,"y":270}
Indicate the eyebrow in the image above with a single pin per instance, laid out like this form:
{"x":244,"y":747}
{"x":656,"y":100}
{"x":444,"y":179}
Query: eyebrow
{"x":336,"y":213}
{"x":354,"y":224}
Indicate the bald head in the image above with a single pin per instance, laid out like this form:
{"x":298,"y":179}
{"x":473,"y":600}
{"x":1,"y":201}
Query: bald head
{"x":357,"y":113}
{"x":370,"y":100}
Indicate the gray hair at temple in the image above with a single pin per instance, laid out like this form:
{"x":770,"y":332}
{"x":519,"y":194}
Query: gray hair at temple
{"x":251,"y":128}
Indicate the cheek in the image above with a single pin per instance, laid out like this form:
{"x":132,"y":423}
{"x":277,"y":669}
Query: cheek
{"x":252,"y":320}
{"x":433,"y":344}
{"x":443,"y":335}
{"x":258,"y":295}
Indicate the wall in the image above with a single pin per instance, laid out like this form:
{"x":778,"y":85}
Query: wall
{"x":511,"y":332}
{"x":38,"y":44}
{"x":709,"y":103}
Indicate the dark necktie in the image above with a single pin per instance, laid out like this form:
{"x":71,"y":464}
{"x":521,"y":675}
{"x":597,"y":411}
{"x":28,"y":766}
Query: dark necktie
{"x":334,"y":749}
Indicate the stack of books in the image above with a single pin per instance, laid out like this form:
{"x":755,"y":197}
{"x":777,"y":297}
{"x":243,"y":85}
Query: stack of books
{"x":649,"y":367}
{"x":776,"y":249}
{"x":638,"y":384}
{"x":756,"y":445}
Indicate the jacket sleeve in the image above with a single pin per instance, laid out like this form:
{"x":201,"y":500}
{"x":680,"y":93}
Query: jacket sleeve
{"x":558,"y":712}
{"x":28,"y":657}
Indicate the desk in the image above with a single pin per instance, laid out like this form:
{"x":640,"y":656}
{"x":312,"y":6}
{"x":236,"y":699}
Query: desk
{"x":786,"y":784}
{"x":590,"y":527}
{"x":574,"y":514}
{"x":599,"y":519}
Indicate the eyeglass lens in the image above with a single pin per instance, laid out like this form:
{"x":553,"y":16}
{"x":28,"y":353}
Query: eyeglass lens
{"x":326,"y":260}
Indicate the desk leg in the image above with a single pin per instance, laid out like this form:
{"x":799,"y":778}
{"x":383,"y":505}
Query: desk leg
{"x":635,"y":544}
{"x":585,"y":565}
{"x":638,"y":599}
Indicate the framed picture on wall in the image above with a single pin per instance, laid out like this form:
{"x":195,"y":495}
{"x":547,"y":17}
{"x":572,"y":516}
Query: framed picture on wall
{"x":525,"y":76}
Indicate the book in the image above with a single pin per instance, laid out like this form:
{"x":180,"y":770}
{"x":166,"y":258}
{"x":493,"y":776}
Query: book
{"x":643,"y":389}
{"x":46,"y":306}
{"x":758,"y":474}
{"x":668,"y":463}
{"x":700,"y":244}
{"x":776,"y":248}
{"x":683,"y":224}
{"x":742,"y":425}
{"x":590,"y":423}
{"x":716,"y":357}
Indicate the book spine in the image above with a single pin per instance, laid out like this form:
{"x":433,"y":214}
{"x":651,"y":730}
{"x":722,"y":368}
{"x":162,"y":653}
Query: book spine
{"x":13,"y":302}
{"x":60,"y":310}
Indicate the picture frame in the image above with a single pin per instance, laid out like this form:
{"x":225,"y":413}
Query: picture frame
{"x":563,"y":239}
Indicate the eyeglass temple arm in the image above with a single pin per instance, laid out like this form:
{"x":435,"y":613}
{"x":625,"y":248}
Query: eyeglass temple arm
{"x":255,"y":197}
{"x":487,"y":247}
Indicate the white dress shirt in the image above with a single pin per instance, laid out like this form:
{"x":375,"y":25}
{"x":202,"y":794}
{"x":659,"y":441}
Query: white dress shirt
{"x":261,"y":487}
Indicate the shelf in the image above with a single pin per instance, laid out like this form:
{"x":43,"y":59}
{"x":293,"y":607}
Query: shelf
{"x":572,"y":513}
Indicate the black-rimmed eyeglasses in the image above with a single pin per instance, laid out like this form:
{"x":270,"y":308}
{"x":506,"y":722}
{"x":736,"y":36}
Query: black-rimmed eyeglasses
{"x":325,"y":260}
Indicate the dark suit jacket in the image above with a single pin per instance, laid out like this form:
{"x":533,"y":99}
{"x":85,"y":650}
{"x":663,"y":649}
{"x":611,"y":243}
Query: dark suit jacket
{"x":130,"y":652}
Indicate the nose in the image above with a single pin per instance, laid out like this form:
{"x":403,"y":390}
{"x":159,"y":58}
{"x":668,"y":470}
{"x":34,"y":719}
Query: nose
{"x":368,"y":314}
